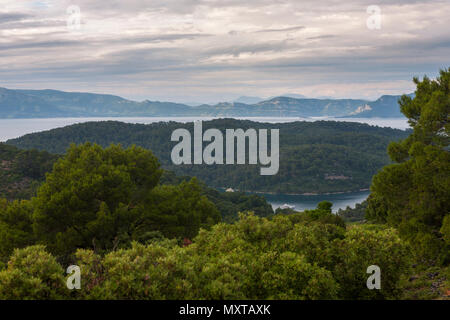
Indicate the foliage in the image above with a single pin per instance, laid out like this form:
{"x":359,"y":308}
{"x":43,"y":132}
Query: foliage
{"x":104,"y":199}
{"x":16,"y":226}
{"x":92,"y":193}
{"x":445,"y":230}
{"x":322,"y":214}
{"x":33,"y":274}
{"x":429,"y":283}
{"x":254,"y":258}
{"x":379,"y":247}
{"x":178,"y":211}
{"x":413,"y":194}
{"x":319,"y":157}
{"x":229,"y":204}
{"x":110,"y":212}
{"x":355,"y":214}
{"x":33,"y":163}
{"x":16,"y":183}
{"x":21,"y":171}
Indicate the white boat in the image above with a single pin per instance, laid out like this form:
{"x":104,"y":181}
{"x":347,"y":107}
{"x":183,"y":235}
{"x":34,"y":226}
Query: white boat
{"x":287,"y":206}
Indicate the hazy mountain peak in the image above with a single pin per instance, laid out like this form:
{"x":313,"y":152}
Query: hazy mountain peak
{"x":293,"y":95}
{"x":248,"y":100}
{"x":53,"y":103}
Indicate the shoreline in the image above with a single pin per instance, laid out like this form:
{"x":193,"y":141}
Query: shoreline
{"x":299,"y":194}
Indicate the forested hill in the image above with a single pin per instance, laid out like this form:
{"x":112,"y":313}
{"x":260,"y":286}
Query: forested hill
{"x":22,"y":171}
{"x":315,"y":157}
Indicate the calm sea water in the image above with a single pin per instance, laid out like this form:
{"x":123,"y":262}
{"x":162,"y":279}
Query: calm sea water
{"x":14,"y":128}
{"x":340,"y":201}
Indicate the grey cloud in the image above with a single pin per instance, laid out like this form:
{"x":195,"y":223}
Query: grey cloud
{"x":325,"y":36}
{"x":12,"y":16}
{"x":19,"y":24}
{"x":167,"y":57}
{"x":97,"y":43}
{"x":37,"y":45}
{"x":296,"y":28}
{"x":236,"y":50}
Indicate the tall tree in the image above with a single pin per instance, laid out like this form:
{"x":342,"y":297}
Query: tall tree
{"x":413,"y":194}
{"x":102,"y":197}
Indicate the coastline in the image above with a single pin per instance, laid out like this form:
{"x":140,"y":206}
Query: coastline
{"x":298,"y":194}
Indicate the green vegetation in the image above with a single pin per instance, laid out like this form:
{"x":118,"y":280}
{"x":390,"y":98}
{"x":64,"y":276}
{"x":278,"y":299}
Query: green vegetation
{"x":287,"y":257}
{"x":21,"y":171}
{"x":104,"y":198}
{"x":32,"y":274}
{"x":315,"y":157}
{"x":413,"y":194}
{"x":356,"y":214}
{"x":138,"y":232}
{"x":427,"y":283}
{"x":105,"y":210}
{"x":229,"y":204}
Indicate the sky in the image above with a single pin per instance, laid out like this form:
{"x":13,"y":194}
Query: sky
{"x":208,"y":51}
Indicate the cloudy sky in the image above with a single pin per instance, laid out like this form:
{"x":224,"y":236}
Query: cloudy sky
{"x":217,"y":50}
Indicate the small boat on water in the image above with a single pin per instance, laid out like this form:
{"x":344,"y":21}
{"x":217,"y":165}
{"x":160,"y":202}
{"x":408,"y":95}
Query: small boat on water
{"x":287,"y":206}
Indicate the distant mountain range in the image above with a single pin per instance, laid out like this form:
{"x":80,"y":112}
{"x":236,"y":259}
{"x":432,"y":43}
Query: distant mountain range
{"x":53,"y":104}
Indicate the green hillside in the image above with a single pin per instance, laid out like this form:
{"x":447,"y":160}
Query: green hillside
{"x":315,"y":157}
{"x":21,"y":171}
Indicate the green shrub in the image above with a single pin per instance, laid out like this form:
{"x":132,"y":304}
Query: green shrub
{"x":16,"y":227}
{"x":362,"y":248}
{"x":32,"y":273}
{"x":255,"y":258}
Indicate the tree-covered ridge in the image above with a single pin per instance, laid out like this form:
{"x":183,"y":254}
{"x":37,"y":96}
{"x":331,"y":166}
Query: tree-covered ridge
{"x":315,"y":157}
{"x":21,"y":171}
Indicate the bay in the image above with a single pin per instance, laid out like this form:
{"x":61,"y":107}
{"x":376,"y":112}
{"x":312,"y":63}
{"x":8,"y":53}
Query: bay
{"x":304,"y":202}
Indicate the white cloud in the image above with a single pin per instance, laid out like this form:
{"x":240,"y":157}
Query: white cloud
{"x":215,"y":50}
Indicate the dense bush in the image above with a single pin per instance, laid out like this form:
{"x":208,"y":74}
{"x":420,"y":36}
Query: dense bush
{"x":32,"y":273}
{"x":104,"y":199}
{"x":92,"y":194}
{"x":362,"y":247}
{"x":23,"y":171}
{"x":356,"y":214}
{"x":16,"y":226}
{"x":255,"y":258}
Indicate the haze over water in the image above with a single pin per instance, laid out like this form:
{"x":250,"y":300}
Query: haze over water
{"x":14,"y":128}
